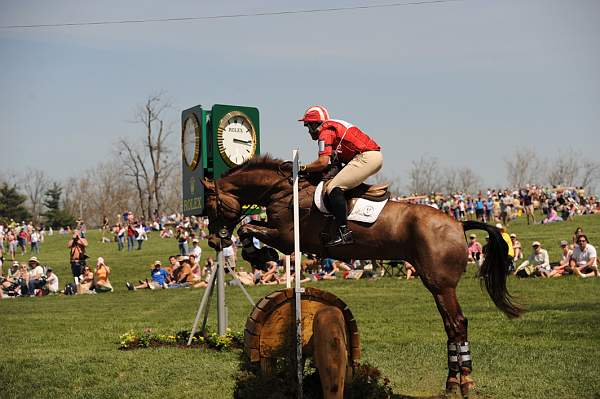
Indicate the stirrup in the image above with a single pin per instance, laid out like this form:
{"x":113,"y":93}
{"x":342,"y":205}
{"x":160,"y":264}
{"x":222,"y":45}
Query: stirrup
{"x":343,"y":238}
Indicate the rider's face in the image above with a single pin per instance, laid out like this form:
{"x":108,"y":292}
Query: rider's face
{"x":313,"y":129}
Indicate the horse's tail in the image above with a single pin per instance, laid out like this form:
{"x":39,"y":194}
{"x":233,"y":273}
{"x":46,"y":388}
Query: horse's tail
{"x":495,"y":268}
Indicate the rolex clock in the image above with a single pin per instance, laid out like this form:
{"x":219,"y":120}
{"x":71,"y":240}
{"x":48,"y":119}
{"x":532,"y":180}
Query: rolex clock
{"x":190,"y":141}
{"x":236,"y":138}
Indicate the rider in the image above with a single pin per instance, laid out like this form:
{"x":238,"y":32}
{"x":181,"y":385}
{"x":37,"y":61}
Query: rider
{"x":341,"y":142}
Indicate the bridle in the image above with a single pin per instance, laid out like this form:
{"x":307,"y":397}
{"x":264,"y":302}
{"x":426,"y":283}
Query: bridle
{"x":226,"y":230}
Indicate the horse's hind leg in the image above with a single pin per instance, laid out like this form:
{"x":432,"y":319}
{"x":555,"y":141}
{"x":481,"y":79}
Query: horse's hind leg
{"x":459,"y":355}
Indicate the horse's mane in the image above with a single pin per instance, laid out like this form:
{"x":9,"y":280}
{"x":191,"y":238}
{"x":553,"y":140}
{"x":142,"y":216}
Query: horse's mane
{"x":260,"y":162}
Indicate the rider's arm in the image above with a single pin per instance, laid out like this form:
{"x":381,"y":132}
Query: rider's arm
{"x":317,"y":166}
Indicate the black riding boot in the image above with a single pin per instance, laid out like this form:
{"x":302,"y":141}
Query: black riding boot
{"x":337,"y":204}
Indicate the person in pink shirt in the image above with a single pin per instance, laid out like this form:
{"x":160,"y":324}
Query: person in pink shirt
{"x":474,"y":249}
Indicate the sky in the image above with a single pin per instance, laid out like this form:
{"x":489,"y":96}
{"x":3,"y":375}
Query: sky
{"x":466,"y":82}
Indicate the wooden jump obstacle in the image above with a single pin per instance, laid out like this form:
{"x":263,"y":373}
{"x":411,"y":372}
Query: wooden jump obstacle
{"x":270,"y":328}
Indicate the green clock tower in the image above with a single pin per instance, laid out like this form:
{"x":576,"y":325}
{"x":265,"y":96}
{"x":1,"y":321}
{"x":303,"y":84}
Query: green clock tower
{"x":212,"y":142}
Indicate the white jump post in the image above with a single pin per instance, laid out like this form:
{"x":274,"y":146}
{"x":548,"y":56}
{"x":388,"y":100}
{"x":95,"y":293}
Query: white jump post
{"x":221,"y":309}
{"x":297,"y":274}
{"x":288,"y":282}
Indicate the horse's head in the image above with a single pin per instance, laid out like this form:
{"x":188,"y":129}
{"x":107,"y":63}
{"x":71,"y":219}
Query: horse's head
{"x":223,"y":211}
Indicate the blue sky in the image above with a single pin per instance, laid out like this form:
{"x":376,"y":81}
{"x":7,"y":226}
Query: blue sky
{"x":467,"y":82}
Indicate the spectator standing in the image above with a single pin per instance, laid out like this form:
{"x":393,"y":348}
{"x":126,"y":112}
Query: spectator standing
{"x":140,"y":231}
{"x":511,"y":251}
{"x":583,"y":259}
{"x":182,"y":239}
{"x":35,"y":242}
{"x":12,"y":244}
{"x":121,"y":231}
{"x":480,"y":209}
{"x":229,"y":256}
{"x":77,"y":246}
{"x":130,"y":237}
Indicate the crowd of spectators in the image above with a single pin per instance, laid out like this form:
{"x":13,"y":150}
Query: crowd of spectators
{"x":504,"y":205}
{"x":185,"y":269}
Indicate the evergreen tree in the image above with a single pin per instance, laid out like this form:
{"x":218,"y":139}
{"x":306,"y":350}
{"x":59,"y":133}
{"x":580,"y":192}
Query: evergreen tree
{"x":11,"y":204}
{"x":55,"y":215}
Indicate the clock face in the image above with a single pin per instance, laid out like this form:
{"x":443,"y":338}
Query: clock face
{"x":236,"y":138}
{"x":190,"y":141}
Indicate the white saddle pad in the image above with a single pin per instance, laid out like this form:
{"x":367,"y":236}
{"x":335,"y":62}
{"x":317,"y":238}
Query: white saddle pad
{"x":363,"y":211}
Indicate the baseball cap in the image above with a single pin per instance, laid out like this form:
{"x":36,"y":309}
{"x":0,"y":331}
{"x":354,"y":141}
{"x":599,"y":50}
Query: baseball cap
{"x":564,"y":243}
{"x":499,"y":225}
{"x":157,"y":262}
{"x":472,"y":236}
{"x":33,"y":259}
{"x":195,"y":240}
{"x":513,"y":235}
{"x":536,"y":244}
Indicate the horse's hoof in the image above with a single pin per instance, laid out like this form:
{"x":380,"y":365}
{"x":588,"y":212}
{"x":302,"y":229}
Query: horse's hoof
{"x":453,"y":388}
{"x":466,"y":385}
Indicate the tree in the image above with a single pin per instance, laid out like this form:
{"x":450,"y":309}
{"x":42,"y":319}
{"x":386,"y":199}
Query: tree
{"x":35,"y":184}
{"x":424,"y":176}
{"x":12,"y":204}
{"x":55,"y":215}
{"x":524,"y":168}
{"x":564,"y":170}
{"x":149,"y":165}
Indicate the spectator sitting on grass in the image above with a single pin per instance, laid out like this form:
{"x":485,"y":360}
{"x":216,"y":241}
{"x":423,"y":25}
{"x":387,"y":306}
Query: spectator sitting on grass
{"x":158,"y":277}
{"x":182,"y":276}
{"x":552,"y":217}
{"x":563,"y":264}
{"x":538,"y":263}
{"x":474,"y":249}
{"x":516,"y":247}
{"x":102,"y":283}
{"x":51,"y":281}
{"x":86,"y":281}
{"x":583,"y":259}
{"x":35,"y":276}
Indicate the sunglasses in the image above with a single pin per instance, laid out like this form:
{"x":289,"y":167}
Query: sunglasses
{"x":581,"y":241}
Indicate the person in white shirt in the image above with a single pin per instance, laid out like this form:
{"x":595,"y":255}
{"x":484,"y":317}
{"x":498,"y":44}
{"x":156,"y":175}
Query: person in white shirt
{"x":141,"y":235}
{"x":583,"y":259}
{"x":229,"y":256}
{"x":538,"y":263}
{"x":51,"y":281}
{"x":35,"y":242}
{"x":35,"y":275}
{"x":196,"y":250}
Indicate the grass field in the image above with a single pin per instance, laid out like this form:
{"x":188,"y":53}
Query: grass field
{"x":66,"y":347}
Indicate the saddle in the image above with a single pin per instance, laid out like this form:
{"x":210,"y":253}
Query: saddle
{"x":365,"y":201}
{"x":371,"y":192}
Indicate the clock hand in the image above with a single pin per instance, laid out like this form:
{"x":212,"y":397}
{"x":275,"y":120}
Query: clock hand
{"x":247,"y":142}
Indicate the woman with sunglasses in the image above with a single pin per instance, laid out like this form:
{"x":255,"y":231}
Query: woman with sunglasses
{"x":583,"y":259}
{"x":86,"y":280}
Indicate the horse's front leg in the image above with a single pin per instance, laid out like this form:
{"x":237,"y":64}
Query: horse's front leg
{"x":267,"y":235}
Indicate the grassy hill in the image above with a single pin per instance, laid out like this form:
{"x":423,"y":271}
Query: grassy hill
{"x":66,"y":347}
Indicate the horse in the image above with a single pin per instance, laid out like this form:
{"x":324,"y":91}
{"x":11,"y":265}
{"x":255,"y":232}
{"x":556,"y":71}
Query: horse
{"x":433,"y":242}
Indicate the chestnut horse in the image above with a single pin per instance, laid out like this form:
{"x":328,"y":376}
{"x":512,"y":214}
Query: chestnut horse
{"x":426,"y":237}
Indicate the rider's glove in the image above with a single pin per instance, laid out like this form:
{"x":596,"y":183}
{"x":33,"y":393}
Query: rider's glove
{"x":302,"y":170}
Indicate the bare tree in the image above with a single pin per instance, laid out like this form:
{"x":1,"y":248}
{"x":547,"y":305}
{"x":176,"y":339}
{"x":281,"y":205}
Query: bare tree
{"x":35,"y":183}
{"x":589,"y":175}
{"x":523,"y":168}
{"x":156,"y":135}
{"x":563,"y":170}
{"x":468,"y":180}
{"x":424,"y":176}
{"x":134,"y":168}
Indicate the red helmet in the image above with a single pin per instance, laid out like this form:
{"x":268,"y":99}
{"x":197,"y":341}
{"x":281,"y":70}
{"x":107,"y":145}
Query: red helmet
{"x":316,"y":113}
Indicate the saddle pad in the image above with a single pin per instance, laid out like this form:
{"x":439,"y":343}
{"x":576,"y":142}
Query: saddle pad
{"x":363,"y":211}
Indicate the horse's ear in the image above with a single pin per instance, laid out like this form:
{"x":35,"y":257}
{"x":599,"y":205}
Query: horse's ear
{"x":208,"y":184}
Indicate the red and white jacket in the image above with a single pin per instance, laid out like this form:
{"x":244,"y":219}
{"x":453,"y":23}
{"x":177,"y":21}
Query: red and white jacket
{"x":345,"y":139}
